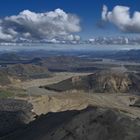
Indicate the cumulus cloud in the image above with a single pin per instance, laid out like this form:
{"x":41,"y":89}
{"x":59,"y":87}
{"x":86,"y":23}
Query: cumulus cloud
{"x":27,"y":25}
{"x":120,"y":17}
{"x":4,"y":36}
{"x":73,"y":38}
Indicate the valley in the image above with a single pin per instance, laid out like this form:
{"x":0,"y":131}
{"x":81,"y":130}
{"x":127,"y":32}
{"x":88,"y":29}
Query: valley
{"x":48,"y":87}
{"x":69,"y":70}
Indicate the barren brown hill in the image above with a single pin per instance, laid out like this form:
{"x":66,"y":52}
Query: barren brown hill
{"x":101,"y":82}
{"x":4,"y":78}
{"x":23,"y":72}
{"x":28,"y":71}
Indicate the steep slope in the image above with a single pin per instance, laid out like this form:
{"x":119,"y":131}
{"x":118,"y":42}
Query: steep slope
{"x":88,"y":124}
{"x":13,"y":115}
{"x":101,"y":82}
{"x":137,"y":103}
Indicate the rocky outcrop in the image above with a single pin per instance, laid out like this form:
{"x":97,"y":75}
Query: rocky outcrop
{"x":136,"y":103}
{"x":88,"y":124}
{"x":57,"y":103}
{"x":101,"y":82}
{"x":14,"y":114}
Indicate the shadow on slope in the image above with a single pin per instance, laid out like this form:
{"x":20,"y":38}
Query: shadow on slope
{"x":88,"y":124}
{"x":14,"y":114}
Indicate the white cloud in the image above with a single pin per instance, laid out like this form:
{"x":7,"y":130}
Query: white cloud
{"x":77,"y":38}
{"x":38,"y":26}
{"x":104,"y":12}
{"x":120,"y":17}
{"x":72,"y":38}
{"x":4,"y":36}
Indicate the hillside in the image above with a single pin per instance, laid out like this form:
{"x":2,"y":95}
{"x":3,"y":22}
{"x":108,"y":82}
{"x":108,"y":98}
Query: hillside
{"x":4,"y":79}
{"x":22,"y":72}
{"x":9,"y":57}
{"x":97,"y":123}
{"x":100,"y":82}
{"x":14,"y":114}
{"x":137,"y":103}
{"x":28,"y":71}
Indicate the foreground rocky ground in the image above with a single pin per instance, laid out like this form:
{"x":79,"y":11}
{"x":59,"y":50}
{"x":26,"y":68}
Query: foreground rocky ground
{"x":14,"y":114}
{"x":109,"y":117}
{"x":88,"y":124}
{"x":79,"y":100}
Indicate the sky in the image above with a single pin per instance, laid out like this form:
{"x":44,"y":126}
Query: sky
{"x":68,"y":19}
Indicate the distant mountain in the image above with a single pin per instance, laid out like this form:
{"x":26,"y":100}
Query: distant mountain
{"x":130,"y":55}
{"x":36,"y":61}
{"x":27,"y":71}
{"x":9,"y":57}
{"x":101,"y":82}
{"x":22,"y":72}
{"x":70,"y":64}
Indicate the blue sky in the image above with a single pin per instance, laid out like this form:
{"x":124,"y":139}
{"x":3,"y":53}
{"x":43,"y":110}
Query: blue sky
{"x":89,"y":12}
